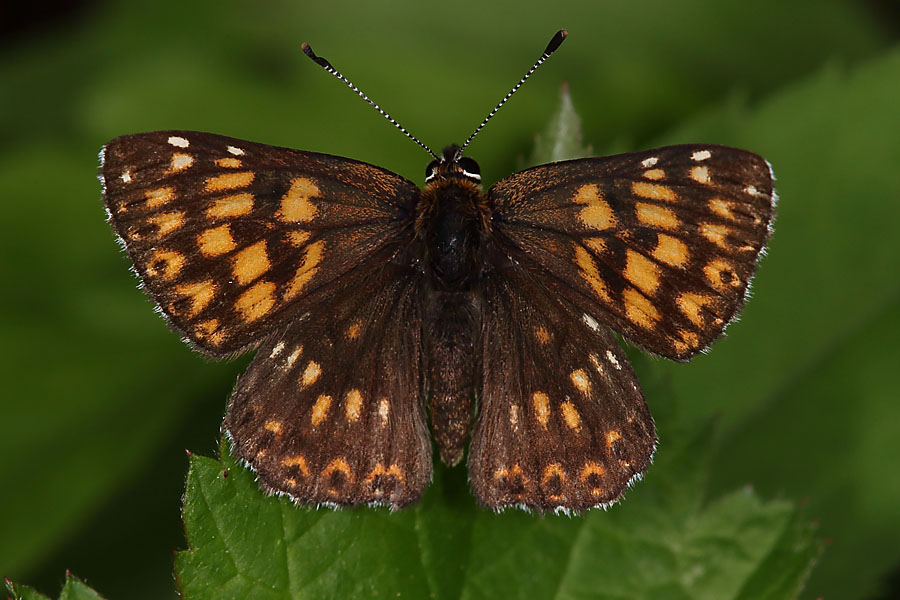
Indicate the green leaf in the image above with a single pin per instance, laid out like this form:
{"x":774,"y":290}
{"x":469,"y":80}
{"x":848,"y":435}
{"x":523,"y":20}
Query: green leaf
{"x":661,"y":541}
{"x":73,"y":589}
{"x":562,"y":137}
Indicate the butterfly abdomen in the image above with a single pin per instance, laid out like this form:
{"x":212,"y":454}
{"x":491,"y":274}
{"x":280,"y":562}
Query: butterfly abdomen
{"x":450,"y":227}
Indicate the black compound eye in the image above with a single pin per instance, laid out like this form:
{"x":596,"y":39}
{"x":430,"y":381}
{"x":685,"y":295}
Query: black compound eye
{"x":470,"y":167}
{"x":431,"y":170}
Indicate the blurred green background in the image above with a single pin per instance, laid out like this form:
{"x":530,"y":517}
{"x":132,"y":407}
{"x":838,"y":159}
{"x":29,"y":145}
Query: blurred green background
{"x":99,"y":401}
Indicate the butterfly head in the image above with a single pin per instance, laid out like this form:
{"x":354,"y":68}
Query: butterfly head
{"x":453,"y":166}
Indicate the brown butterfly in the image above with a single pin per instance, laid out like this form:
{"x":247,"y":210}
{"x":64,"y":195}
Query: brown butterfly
{"x":373,"y":303}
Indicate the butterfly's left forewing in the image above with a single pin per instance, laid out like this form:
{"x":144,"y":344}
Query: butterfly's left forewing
{"x":232,"y":238}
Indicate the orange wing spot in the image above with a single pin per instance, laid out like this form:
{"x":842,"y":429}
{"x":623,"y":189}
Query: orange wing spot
{"x":692,"y":306}
{"x":353,"y":405}
{"x":159,"y":196}
{"x":656,"y":216}
{"x":320,"y":409}
{"x":653,"y":191}
{"x":514,"y":416}
{"x":216,"y":241}
{"x":293,"y":356}
{"x":338,"y":464}
{"x":201,"y":294}
{"x":166,"y":223}
{"x":229,"y":181}
{"x":654,"y":174}
{"x":180,"y":162}
{"x":689,"y":341}
{"x":612,"y":437}
{"x":589,"y":271}
{"x":306,"y":270}
{"x":552,"y":471}
{"x":250,"y":263}
{"x":720,"y":274}
{"x":295,"y":204}
{"x":296,"y":461}
{"x":380,"y":471}
{"x":597,"y":214}
{"x":166,"y":264}
{"x":256,"y":302}
{"x":571,"y":416}
{"x":228,"y":163}
{"x":722,"y":208}
{"x":642,"y":272}
{"x":541,"y":403}
{"x":671,"y":250}
{"x":595,"y":360}
{"x":639,"y":310}
{"x":716,"y":234}
{"x":237,"y":205}
{"x":512,"y":472}
{"x":291,"y":482}
{"x":209,"y":331}
{"x":592,"y":469}
{"x":580,"y":381}
{"x":310,"y":374}
{"x":597,"y":244}
{"x":298,"y":237}
{"x":384,"y":411}
{"x":701,"y":175}
{"x":353,"y":331}
{"x":274,"y":426}
{"x":542,"y":335}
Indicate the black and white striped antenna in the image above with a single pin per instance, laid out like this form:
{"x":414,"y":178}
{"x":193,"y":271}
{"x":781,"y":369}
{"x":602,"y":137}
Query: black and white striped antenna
{"x":307,"y":50}
{"x":550,"y":49}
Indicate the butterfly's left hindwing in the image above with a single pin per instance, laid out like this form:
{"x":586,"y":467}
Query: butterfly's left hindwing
{"x":231,"y":237}
{"x":329,"y":412}
{"x":660,"y":245}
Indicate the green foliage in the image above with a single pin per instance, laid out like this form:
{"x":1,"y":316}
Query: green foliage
{"x":73,"y":589}
{"x":662,"y":542}
{"x":99,"y":400}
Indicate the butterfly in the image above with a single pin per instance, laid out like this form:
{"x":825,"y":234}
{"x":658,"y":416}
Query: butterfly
{"x":376,"y":306}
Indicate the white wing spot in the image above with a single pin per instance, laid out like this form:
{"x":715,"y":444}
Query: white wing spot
{"x":591,"y":322}
{"x":178,"y":142}
{"x":126,"y":177}
{"x":701,"y":155}
{"x":277,"y":350}
{"x":613,"y":360}
{"x":751,"y":189}
{"x":649,"y":162}
{"x":235,"y":150}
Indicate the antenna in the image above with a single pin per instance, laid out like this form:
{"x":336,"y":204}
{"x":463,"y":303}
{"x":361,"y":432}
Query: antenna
{"x":307,"y":50}
{"x":550,"y":49}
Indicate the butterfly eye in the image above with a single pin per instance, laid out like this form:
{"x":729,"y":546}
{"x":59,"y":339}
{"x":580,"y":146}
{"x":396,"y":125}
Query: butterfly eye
{"x":431,"y":170}
{"x":470,"y":168}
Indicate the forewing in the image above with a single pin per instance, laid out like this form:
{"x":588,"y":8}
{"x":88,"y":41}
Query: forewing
{"x":231,"y":237}
{"x":662,"y":244}
{"x":329,"y":411}
{"x":562,"y":423}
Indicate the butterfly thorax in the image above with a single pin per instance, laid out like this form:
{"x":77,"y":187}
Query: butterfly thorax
{"x":450,"y":223}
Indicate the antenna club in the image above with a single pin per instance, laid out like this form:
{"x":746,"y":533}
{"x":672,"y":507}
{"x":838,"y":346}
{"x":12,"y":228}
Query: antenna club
{"x":556,"y":42}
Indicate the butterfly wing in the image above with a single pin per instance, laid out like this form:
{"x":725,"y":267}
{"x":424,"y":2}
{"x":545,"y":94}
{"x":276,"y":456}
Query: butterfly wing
{"x":232,"y":238}
{"x":660,"y":245}
{"x":562,"y":423}
{"x":329,"y":412}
